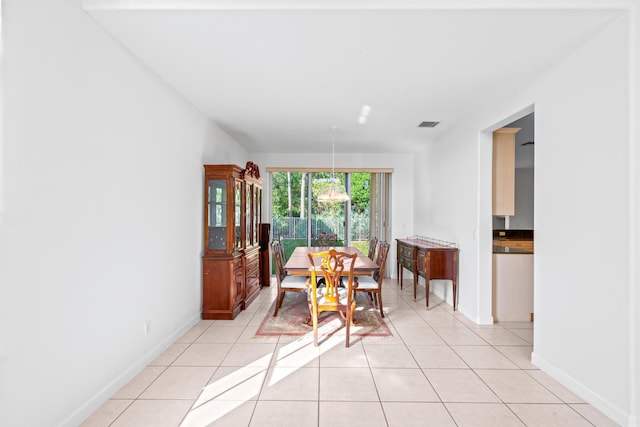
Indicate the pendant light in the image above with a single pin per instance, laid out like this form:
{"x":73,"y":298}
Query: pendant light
{"x":333,"y":195}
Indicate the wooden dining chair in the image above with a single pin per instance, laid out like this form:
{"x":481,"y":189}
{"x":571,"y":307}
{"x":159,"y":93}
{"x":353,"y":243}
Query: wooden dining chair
{"x":326,"y":239}
{"x":372,"y":285}
{"x":373,"y":242}
{"x":283,"y":255}
{"x":286,"y":283}
{"x":331,"y":265}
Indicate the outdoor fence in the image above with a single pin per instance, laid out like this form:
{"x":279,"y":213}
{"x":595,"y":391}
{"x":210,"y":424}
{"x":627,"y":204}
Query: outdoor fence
{"x":296,"y":228}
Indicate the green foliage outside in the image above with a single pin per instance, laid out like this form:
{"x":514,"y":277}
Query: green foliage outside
{"x":288,"y":192}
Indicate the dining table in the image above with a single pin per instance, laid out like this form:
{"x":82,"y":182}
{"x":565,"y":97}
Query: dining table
{"x":298,"y":262}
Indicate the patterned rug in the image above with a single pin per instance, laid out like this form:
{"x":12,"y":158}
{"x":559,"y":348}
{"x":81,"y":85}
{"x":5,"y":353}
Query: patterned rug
{"x":294,"y":311}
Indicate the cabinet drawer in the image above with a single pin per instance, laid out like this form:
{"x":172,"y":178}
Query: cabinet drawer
{"x":406,"y":263}
{"x":252,"y":282}
{"x":252,"y":279}
{"x":252,"y":260}
{"x":405,"y":252}
{"x":253,"y":272}
{"x":405,"y":256}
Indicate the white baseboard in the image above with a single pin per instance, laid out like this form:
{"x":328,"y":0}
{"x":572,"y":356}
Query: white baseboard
{"x":591,"y":397}
{"x":97,"y":400}
{"x":487,"y":320}
{"x":473,"y":318}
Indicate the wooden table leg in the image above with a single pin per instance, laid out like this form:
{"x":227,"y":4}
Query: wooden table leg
{"x":454,"y":281}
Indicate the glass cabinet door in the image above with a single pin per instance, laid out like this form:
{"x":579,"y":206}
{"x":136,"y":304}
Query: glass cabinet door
{"x":249,"y":193}
{"x":256,"y":213}
{"x":217,"y":212}
{"x":238,"y":215}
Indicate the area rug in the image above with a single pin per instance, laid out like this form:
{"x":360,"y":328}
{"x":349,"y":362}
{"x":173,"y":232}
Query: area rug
{"x":294,"y":311}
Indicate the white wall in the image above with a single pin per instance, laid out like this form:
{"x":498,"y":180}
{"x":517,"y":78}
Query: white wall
{"x":582,"y":216}
{"x":447,"y":208}
{"x":100,"y":228}
{"x":581,"y":184}
{"x":402,"y":184}
{"x":633,"y":302}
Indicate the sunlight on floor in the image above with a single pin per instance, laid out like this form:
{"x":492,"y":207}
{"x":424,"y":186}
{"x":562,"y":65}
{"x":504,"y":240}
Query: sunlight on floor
{"x":227,"y":394}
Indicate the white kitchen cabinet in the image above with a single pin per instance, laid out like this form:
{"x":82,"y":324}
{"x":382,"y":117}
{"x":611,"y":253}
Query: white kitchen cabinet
{"x":504,"y":171}
{"x":512,"y":287}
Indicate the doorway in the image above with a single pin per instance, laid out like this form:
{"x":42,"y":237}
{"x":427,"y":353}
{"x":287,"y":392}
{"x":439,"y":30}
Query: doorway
{"x":513,"y":227}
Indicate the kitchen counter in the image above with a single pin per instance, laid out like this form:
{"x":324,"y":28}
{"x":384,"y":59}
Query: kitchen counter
{"x":512,"y":241}
{"x":507,"y":250}
{"x":512,"y":275}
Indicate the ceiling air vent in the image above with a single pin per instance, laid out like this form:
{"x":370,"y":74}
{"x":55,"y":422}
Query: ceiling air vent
{"x":428,"y":124}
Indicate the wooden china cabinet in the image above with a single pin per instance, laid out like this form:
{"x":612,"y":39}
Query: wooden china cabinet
{"x":253,"y":215}
{"x":231,"y":262}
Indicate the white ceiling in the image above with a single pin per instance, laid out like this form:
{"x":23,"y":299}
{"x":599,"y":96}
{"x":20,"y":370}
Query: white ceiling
{"x":277,"y":76}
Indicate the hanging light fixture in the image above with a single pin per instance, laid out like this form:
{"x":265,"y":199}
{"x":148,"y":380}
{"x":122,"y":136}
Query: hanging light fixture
{"x":333,"y":195}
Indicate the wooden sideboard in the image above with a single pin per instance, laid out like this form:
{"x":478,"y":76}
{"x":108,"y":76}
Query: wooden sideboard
{"x":430,"y":258}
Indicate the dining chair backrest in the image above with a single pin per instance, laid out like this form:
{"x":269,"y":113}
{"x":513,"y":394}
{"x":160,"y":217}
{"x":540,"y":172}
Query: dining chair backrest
{"x":285,"y":282}
{"x":325,"y":239}
{"x":373,"y":242}
{"x":278,"y":261}
{"x":332,"y":266}
{"x":334,"y":296}
{"x":283,"y":255}
{"x":372,"y":285}
{"x":381,"y":261}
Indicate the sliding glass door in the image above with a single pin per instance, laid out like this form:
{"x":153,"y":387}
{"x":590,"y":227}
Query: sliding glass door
{"x":327,"y":220}
{"x":290,"y":206}
{"x":299,"y":219}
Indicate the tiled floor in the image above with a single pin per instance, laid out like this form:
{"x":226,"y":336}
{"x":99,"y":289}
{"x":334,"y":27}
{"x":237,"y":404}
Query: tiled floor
{"x":438,"y":369}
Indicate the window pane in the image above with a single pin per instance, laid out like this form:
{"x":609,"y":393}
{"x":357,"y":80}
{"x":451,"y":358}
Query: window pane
{"x":327,"y":218}
{"x":361,"y":226}
{"x":289,"y":203}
